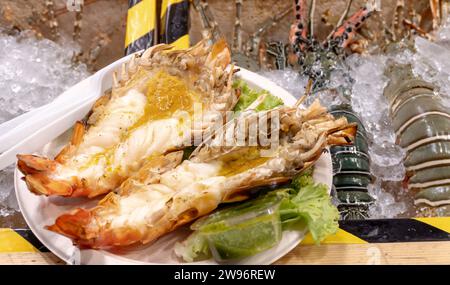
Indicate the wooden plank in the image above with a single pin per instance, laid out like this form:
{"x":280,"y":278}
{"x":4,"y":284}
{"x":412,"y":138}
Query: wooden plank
{"x":371,"y":253}
{"x":375,"y":253}
{"x":29,"y":258}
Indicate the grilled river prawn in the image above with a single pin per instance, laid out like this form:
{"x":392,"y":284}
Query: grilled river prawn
{"x":142,"y":117}
{"x":160,"y":198}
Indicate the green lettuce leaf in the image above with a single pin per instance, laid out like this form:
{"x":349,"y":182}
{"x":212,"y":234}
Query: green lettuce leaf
{"x":302,"y":180}
{"x":312,"y":206}
{"x":248,"y":95}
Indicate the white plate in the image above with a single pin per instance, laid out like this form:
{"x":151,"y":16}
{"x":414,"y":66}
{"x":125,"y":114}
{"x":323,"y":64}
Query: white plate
{"x":40,"y":211}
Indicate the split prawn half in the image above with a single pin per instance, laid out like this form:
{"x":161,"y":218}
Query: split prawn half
{"x":160,"y":197}
{"x":148,"y":112}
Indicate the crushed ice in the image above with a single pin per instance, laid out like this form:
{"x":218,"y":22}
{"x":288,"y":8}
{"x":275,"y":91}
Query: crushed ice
{"x":431,"y":61}
{"x":32,"y":73}
{"x":289,"y":79}
{"x":8,"y":202}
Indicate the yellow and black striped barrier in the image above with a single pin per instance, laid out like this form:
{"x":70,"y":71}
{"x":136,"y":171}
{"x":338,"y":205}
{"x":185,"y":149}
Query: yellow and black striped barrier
{"x":19,"y":240}
{"x":389,"y":230}
{"x":141,"y":25}
{"x":174,"y":21}
{"x":150,"y":22}
{"x":350,"y":232}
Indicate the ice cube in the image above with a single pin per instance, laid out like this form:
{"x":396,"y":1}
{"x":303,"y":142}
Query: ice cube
{"x":32,"y":73}
{"x":385,"y":206}
{"x":289,"y":79}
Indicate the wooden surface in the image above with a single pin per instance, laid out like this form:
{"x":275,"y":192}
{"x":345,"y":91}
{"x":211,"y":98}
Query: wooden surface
{"x":374,"y":253}
{"x":29,"y":258}
{"x":382,"y":253}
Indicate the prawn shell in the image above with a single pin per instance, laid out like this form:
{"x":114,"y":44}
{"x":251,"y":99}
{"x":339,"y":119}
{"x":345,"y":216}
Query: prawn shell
{"x":427,"y":155}
{"x":405,"y":86}
{"x":352,"y":179}
{"x":351,"y":162}
{"x":355,"y":196}
{"x":434,"y":196}
{"x":408,"y":95}
{"x":430,"y":177}
{"x":351,"y":118}
{"x":424,"y":128}
{"x":414,"y":109}
{"x":359,"y":144}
